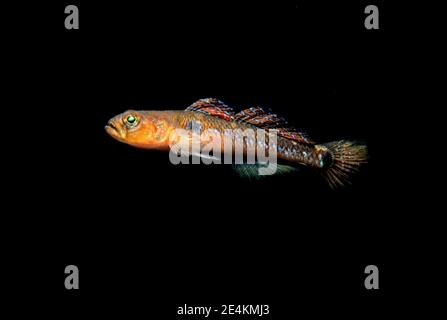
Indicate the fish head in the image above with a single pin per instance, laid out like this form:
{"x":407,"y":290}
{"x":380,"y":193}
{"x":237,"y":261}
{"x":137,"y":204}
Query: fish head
{"x":142,"y":129}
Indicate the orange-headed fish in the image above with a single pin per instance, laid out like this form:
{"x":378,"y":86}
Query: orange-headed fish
{"x":160,"y":130}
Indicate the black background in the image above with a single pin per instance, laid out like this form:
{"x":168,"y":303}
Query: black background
{"x":149,"y":236}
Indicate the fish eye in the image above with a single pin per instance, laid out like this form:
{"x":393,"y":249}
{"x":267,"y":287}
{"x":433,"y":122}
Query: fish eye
{"x":131,"y":120}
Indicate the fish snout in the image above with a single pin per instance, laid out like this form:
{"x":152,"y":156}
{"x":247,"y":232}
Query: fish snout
{"x":113,"y":129}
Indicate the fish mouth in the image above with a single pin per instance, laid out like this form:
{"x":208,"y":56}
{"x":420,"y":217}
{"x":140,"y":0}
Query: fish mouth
{"x":112,"y":129}
{"x":110,"y":125}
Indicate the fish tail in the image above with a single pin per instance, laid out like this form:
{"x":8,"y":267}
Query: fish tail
{"x":346,"y":159}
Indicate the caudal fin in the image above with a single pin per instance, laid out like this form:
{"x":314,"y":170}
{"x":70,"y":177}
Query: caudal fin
{"x":347,"y":157}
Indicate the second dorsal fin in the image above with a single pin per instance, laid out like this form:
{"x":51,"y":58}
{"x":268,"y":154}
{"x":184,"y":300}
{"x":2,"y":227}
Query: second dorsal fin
{"x":256,"y":116}
{"x":212,"y":107}
{"x":259,"y":118}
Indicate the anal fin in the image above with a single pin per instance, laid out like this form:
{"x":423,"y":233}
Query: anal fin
{"x":252,"y":171}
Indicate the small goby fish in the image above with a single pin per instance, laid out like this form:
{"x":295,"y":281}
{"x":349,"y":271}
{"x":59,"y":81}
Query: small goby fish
{"x":337,"y":161}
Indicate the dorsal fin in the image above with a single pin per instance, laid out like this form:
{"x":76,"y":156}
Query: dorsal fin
{"x":294,"y":134}
{"x":260,"y":118}
{"x":257,"y":117}
{"x":212,"y":107}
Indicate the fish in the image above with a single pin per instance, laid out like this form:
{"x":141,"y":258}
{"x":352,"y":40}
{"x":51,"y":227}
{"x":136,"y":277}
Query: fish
{"x":337,"y":161}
